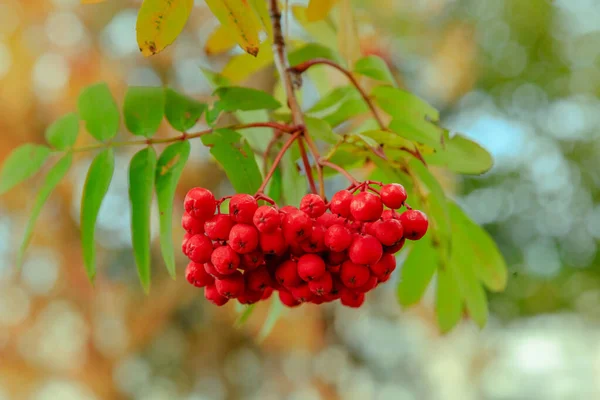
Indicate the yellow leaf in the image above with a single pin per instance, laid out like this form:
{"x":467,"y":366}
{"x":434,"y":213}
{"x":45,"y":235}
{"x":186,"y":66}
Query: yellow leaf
{"x":239,"y":18}
{"x":321,"y":31}
{"x":319,"y":9}
{"x":159,"y":23}
{"x":240,"y":67}
{"x":261,"y":9}
{"x":219,"y":41}
{"x":348,"y":34}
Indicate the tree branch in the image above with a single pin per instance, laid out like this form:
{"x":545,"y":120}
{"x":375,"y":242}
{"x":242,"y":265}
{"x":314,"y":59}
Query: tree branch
{"x":307,"y":167}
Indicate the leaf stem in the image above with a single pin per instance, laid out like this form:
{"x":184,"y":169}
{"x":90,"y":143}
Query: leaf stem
{"x":307,"y":167}
{"x":341,"y":170}
{"x":274,"y":139}
{"x":277,"y":160}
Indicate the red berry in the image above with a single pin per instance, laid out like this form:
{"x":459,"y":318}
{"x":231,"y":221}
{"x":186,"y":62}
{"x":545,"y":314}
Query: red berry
{"x":390,"y":214}
{"x":336,"y":290}
{"x":369,"y":228}
{"x":302,"y":293}
{"x":212,"y":271}
{"x":395,"y":248}
{"x":329,"y":219}
{"x":242,"y":207}
{"x":287,"y":299}
{"x":197,"y":276}
{"x":253,"y":260}
{"x":225,"y":260}
{"x":393,"y":195}
{"x":191,"y":224}
{"x":184,"y":243}
{"x":199,"y":249}
{"x":366,"y":206}
{"x":258,"y":279}
{"x":296,"y":249}
{"x":287,"y":274}
{"x":200,"y":203}
{"x":333,"y":268}
{"x":317,"y":300}
{"x":354,"y":275}
{"x":313,"y":205}
{"x":340,"y":203}
{"x":212,"y":295}
{"x":218,"y":227}
{"x":249,"y":297}
{"x":388,"y":232}
{"x":415,"y":224}
{"x":352,"y":299}
{"x":243,"y":238}
{"x":321,"y":286}
{"x":336,"y":258}
{"x":384,"y":267}
{"x":287,"y":209}
{"x":266,"y":219}
{"x":365,"y":250}
{"x":370,"y":285}
{"x":311,"y":266}
{"x":338,"y":238}
{"x":316,"y":241}
{"x":297,"y":226}
{"x":267,"y":293}
{"x":273,"y":243}
{"x":231,"y":286}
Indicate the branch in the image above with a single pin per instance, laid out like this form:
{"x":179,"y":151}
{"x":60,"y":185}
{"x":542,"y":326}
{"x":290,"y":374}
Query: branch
{"x":341,"y":170}
{"x":307,"y":167}
{"x":277,"y":160}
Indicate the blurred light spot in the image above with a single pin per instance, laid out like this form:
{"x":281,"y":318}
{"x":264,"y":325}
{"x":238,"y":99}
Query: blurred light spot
{"x":331,"y":363}
{"x":390,"y":391}
{"x":494,"y":35}
{"x":212,"y":387}
{"x":118,"y":38}
{"x":10,"y":16}
{"x":512,"y":60}
{"x":297,"y":366}
{"x":64,"y":29}
{"x":5,"y":60}
{"x":63,"y":390}
{"x":40,"y":270}
{"x":143,"y":76}
{"x":110,"y":334}
{"x":14,"y":305}
{"x":243,"y":368}
{"x":541,"y":258}
{"x":537,"y":353}
{"x":50,"y":75}
{"x":131,"y":374}
{"x":306,"y":393}
{"x":189,"y":77}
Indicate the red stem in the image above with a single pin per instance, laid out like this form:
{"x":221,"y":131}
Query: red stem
{"x":341,"y":170}
{"x":307,"y":167}
{"x":277,"y":160}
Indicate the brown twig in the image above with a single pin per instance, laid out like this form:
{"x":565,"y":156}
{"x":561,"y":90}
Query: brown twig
{"x":341,"y":170}
{"x":276,"y":136}
{"x":307,"y":167}
{"x":277,"y":160}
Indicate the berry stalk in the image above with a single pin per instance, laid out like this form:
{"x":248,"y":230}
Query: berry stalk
{"x":277,"y":160}
{"x":307,"y":168}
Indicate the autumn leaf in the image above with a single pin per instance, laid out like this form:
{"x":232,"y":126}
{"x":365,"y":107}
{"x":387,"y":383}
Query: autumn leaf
{"x":219,"y":41}
{"x":159,"y":23}
{"x":238,"y":17}
{"x":319,"y":9}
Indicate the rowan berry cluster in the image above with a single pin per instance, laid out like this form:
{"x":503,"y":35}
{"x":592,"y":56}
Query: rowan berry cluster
{"x":317,"y":253}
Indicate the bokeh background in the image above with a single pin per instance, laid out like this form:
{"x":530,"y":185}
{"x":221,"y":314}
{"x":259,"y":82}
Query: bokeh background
{"x":520,"y":77}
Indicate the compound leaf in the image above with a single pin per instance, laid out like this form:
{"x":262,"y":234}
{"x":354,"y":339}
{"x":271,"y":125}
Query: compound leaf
{"x":234,"y":98}
{"x":98,"y":109}
{"x":181,"y":111}
{"x":144,"y":109}
{"x":62,"y":134}
{"x":21,"y":164}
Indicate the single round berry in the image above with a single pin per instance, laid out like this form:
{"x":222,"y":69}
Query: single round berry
{"x":384,"y":267}
{"x":329,"y":219}
{"x":218,"y":227}
{"x":395,"y":248}
{"x":365,"y":250}
{"x":225,"y":260}
{"x":336,"y":290}
{"x":200,"y":203}
{"x":273,"y":243}
{"x":287,"y":274}
{"x":287,"y":209}
{"x":415,"y":224}
{"x":184,"y":243}
{"x":352,"y":299}
{"x":212,"y":294}
{"x":354,"y":275}
{"x":231,"y":286}
{"x":336,"y":258}
{"x":267,"y":293}
{"x":338,"y":238}
{"x":199,"y":249}
{"x":370,"y":285}
{"x":297,"y":226}
{"x":249,"y":297}
{"x":197,"y":276}
{"x":243,"y":238}
{"x":316,"y":241}
{"x":366,"y":206}
{"x":333,"y":268}
{"x":369,"y":227}
{"x":252,"y":260}
{"x":212,"y":271}
{"x":310,"y":267}
{"x":321,"y":286}
{"x":192,"y":225}
{"x":266,"y":219}
{"x":302,"y":293}
{"x":388,"y":232}
{"x":318,"y":299}
{"x":340,"y":203}
{"x":242,"y":207}
{"x":393,"y":195}
{"x":313,"y":205}
{"x":258,"y":279}
{"x":390,"y":214}
{"x":287,"y":299}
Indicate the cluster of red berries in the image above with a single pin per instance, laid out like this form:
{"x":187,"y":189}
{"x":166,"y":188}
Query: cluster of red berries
{"x":316,"y":253}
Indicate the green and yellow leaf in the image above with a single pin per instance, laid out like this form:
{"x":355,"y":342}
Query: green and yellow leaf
{"x":159,"y":23}
{"x":238,"y":17}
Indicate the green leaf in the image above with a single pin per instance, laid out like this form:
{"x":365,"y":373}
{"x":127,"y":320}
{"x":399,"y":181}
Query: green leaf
{"x":144,"y":109}
{"x":214,"y":79}
{"x":418,"y":130}
{"x":246,"y":313}
{"x":275,"y":312}
{"x":489,"y":264}
{"x":21,"y":164}
{"x":141,"y":185}
{"x":322,"y":31}
{"x":350,"y":108}
{"x":417,"y":271}
{"x":168,"y":171}
{"x":212,"y":115}
{"x":258,"y":138}
{"x":181,"y":111}
{"x":237,"y":159}
{"x":96,"y":185}
{"x":463,"y":156}
{"x":234,"y":98}
{"x":321,"y":130}
{"x":374,"y":67}
{"x":159,"y":22}
{"x":99,"y":111}
{"x":398,"y":103}
{"x":262,"y":11}
{"x":55,"y":175}
{"x":331,"y":101}
{"x":311,"y":51}
{"x":274,"y":190}
{"x":62,"y":134}
{"x":293,"y":183}
{"x":448,"y":302}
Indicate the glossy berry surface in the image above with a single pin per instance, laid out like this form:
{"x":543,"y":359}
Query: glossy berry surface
{"x":415,"y":224}
{"x":393,"y":195}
